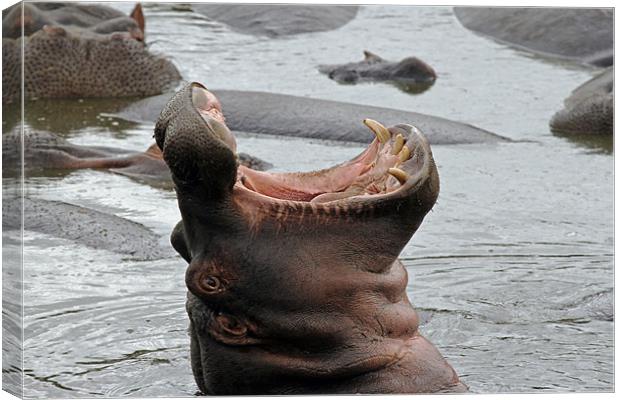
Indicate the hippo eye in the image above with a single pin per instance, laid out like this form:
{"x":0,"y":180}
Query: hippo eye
{"x":211,"y":283}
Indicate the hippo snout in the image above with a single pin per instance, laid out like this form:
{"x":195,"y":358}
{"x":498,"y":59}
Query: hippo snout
{"x":194,"y":139}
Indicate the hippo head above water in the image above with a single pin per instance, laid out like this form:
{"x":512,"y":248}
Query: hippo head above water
{"x":410,"y":74}
{"x":294,"y":283}
{"x":79,"y":50}
{"x":81,"y":19}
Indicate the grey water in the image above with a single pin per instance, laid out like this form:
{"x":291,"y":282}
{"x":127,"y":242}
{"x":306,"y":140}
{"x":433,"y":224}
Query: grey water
{"x":512,"y":271}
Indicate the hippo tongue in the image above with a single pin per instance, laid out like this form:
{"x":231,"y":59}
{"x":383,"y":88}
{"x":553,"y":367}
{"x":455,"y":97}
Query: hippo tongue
{"x":367,"y":174}
{"x":299,"y":187}
{"x":269,"y":186}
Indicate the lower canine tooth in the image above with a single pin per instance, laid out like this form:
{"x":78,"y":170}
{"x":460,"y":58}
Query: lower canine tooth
{"x":398,"y":144}
{"x":379,"y":130}
{"x":404,"y":154}
{"x":399,"y":174}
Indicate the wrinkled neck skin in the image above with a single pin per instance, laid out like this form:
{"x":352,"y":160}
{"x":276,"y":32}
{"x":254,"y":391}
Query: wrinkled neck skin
{"x":289,"y":295}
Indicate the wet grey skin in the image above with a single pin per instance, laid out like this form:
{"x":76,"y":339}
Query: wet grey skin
{"x":79,"y":50}
{"x":579,"y":35}
{"x":296,"y":116}
{"x":278,"y":20}
{"x":583,"y":35}
{"x":410,"y":74}
{"x":293,"y":278}
{"x":589,"y":110}
{"x":85,"y":226}
{"x":45,"y":152}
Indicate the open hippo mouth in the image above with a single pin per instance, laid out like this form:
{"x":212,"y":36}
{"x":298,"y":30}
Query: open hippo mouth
{"x":387,"y":166}
{"x":294,"y":280}
{"x":396,"y":168}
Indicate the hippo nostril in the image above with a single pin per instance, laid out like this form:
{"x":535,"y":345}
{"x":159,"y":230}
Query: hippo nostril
{"x":209,"y":108}
{"x":205,"y":101}
{"x":200,"y":98}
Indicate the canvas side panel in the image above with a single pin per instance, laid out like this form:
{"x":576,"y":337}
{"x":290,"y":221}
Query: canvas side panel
{"x":12,"y":237}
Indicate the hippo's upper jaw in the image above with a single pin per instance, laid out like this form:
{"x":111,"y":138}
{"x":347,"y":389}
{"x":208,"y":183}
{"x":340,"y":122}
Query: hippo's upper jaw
{"x":201,"y":152}
{"x":293,"y":277}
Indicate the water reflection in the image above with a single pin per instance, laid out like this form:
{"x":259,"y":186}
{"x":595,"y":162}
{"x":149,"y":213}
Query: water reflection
{"x":512,"y":270}
{"x":596,"y":143}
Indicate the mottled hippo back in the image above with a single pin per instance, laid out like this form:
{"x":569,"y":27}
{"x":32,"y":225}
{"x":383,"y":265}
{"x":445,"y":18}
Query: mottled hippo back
{"x":589,"y":109}
{"x":80,"y":51}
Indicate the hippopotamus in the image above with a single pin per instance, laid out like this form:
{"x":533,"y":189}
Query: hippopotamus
{"x":45,"y":150}
{"x":410,"y":74}
{"x":296,"y":116}
{"x":91,"y":228}
{"x":79,"y":50}
{"x":269,"y":314}
{"x":583,"y":35}
{"x":589,"y":109}
{"x":278,"y":20}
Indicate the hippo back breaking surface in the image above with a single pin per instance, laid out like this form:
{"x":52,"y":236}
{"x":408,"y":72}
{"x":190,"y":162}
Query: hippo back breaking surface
{"x":521,"y":237}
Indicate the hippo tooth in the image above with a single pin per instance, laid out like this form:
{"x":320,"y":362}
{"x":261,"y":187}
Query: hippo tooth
{"x":399,"y":174}
{"x":378,"y":129}
{"x":404,"y":154}
{"x":398,"y":144}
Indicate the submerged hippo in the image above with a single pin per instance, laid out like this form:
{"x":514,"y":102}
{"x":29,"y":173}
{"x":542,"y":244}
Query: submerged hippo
{"x":584,"y":35}
{"x":410,"y":74}
{"x":278,"y":20}
{"x":269,"y":314}
{"x":45,"y":150}
{"x":285,"y":115}
{"x":79,"y":50}
{"x":85,"y":226}
{"x":589,"y":109}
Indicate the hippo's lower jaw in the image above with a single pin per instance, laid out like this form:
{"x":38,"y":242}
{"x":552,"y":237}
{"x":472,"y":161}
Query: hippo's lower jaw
{"x":294,"y":281}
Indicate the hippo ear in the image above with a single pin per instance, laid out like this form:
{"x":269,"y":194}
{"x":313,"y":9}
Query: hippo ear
{"x":371,"y":57}
{"x":12,"y":25}
{"x":155,"y":152}
{"x":138,"y":16}
{"x":177,"y":239}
